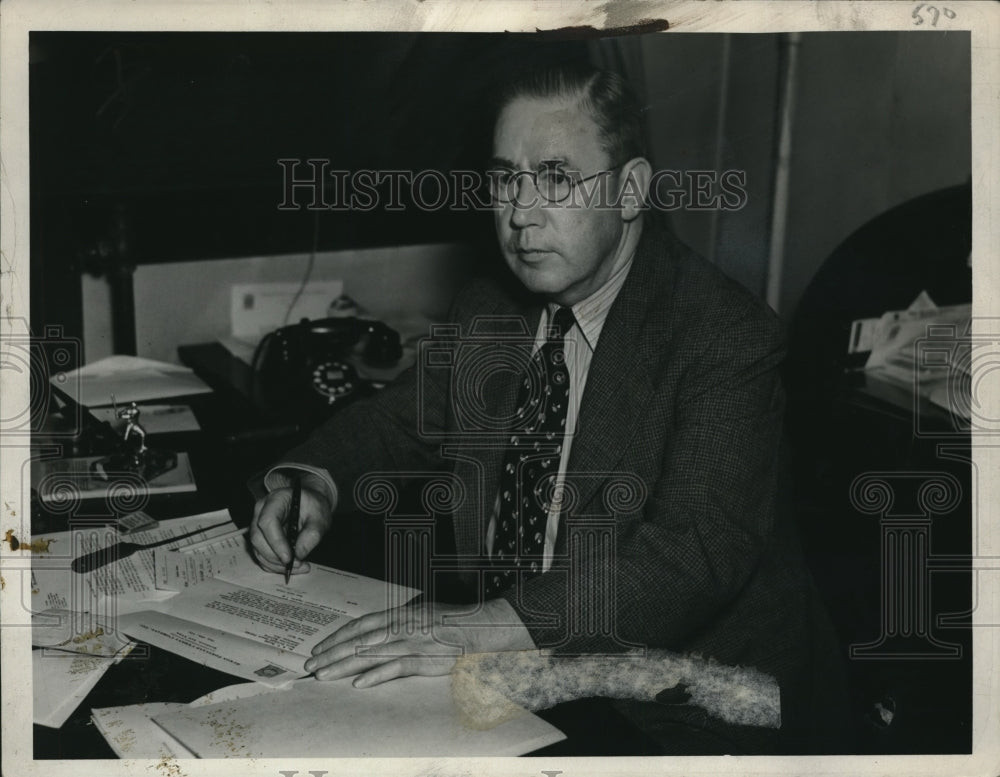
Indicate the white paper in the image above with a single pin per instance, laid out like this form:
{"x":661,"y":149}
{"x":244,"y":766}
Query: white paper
{"x":128,"y":584}
{"x":130,"y":379}
{"x":923,"y":302}
{"x":60,"y":681}
{"x":324,"y":588}
{"x":177,"y":570}
{"x":257,"y":308}
{"x":230,"y":693}
{"x":213,"y":648}
{"x":283,"y":619}
{"x":897,"y":331}
{"x":897,"y":359}
{"x":249,"y":623}
{"x":155,"y":419}
{"x":412,"y":716}
{"x":74,"y":632}
{"x":131,"y":732}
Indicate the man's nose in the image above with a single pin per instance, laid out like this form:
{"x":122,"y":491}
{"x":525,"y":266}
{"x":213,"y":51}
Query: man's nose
{"x":526,"y":203}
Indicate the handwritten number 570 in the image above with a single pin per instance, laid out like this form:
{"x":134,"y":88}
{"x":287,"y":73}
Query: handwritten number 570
{"x":918,"y":14}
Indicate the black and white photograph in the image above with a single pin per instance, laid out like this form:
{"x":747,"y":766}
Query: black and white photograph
{"x":490,"y":388}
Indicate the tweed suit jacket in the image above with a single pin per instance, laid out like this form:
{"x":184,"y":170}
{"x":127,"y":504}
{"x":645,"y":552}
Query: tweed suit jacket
{"x":675,"y":460}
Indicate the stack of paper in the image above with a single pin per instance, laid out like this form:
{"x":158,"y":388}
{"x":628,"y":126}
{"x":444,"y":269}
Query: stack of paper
{"x":77,"y":646}
{"x":132,"y":733}
{"x":125,"y":585}
{"x":155,"y":419}
{"x":75,"y":632}
{"x":56,"y":480}
{"x":231,"y":615}
{"x":128,"y":379}
{"x":68,"y":665}
{"x":60,"y":683}
{"x":925,"y":349}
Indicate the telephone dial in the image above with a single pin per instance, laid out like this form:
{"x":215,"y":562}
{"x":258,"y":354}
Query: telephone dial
{"x":313,"y":362}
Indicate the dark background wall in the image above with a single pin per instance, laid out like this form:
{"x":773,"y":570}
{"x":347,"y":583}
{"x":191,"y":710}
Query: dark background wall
{"x":162,"y":147}
{"x":879,"y":118}
{"x":888,"y":123}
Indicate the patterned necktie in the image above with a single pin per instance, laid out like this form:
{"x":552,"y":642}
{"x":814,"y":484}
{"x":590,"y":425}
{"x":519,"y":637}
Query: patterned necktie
{"x":531,"y":462}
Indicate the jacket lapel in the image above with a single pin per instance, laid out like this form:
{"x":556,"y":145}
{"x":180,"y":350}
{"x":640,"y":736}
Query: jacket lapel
{"x":619,"y":383}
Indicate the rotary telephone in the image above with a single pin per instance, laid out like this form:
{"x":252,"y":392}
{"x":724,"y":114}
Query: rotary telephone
{"x":309,"y":366}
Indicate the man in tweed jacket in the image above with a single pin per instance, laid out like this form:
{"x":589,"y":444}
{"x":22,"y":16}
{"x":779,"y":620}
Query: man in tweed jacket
{"x":674,"y":443}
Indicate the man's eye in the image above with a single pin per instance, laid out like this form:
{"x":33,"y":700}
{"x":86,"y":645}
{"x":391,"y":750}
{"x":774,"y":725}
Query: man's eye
{"x":555,"y":177}
{"x":501,"y":177}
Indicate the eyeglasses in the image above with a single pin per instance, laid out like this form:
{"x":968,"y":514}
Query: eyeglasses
{"x":552,"y":182}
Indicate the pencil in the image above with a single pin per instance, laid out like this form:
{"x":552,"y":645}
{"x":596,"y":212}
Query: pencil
{"x":292,"y":525}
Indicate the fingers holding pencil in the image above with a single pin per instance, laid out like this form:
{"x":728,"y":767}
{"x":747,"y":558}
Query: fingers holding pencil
{"x":268,"y":535}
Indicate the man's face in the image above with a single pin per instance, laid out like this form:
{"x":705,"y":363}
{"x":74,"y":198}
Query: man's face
{"x":563,"y":251}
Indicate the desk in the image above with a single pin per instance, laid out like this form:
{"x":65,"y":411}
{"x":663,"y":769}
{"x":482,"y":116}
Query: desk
{"x":251,"y":417}
{"x":852,"y":427}
{"x":592,"y":726}
{"x":877,"y":395}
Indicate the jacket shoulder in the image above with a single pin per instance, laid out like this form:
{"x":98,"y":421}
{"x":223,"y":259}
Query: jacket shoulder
{"x":486,"y":295}
{"x":703,"y":297}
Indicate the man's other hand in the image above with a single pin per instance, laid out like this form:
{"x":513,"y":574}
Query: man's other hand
{"x":419,"y":639}
{"x":267,"y":530}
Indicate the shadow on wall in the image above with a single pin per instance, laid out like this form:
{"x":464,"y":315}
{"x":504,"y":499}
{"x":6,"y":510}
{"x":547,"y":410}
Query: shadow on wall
{"x":189,"y":302}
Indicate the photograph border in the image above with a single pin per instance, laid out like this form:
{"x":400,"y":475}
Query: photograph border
{"x":19,"y":17}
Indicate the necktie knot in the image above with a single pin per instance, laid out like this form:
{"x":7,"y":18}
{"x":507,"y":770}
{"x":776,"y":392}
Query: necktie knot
{"x":562,"y":322}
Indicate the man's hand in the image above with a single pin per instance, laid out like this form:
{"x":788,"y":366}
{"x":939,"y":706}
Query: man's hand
{"x":420,"y":639}
{"x":267,"y":530}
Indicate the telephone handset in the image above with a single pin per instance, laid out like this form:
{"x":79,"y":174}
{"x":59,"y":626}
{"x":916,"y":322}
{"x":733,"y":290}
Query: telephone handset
{"x":312,"y":361}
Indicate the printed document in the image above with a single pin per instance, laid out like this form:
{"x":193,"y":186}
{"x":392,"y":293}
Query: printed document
{"x":122,"y":586}
{"x":179,"y":569}
{"x":249,"y":623}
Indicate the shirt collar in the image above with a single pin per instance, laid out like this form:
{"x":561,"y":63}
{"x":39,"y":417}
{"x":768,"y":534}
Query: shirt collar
{"x":591,"y":313}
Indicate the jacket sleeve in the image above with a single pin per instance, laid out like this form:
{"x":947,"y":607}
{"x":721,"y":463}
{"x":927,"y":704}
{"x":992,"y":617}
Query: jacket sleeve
{"x":399,"y":429}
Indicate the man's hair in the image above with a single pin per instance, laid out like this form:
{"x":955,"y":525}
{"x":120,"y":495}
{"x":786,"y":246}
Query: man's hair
{"x":610,"y":100}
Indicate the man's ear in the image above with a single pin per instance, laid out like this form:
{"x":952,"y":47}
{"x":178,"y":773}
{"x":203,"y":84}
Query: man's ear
{"x":635,"y":177}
